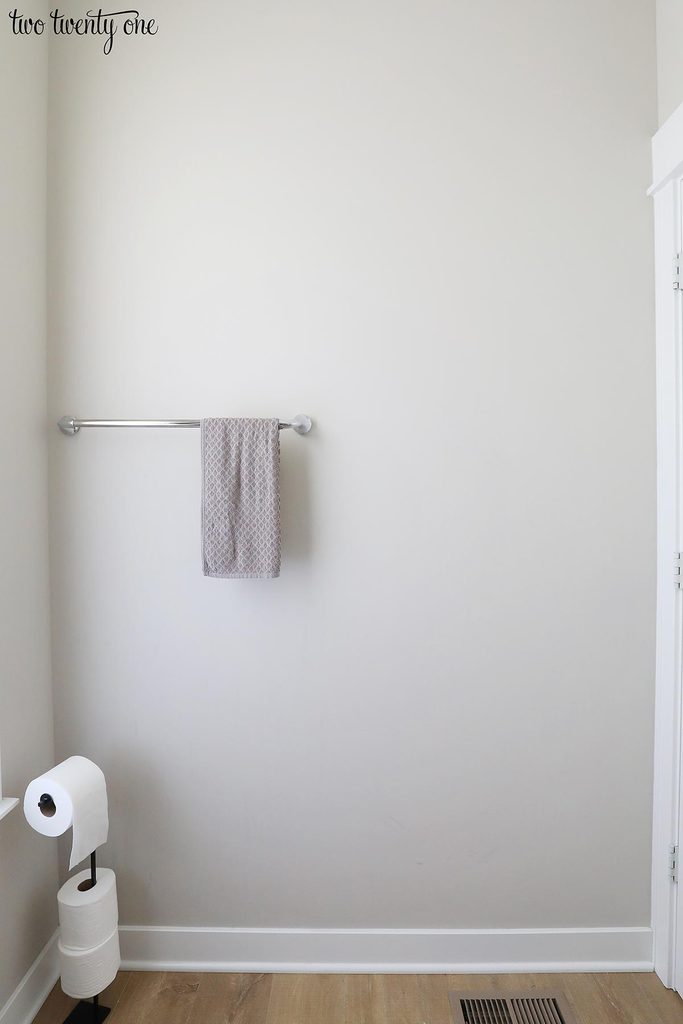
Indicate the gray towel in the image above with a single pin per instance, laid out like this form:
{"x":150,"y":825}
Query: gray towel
{"x":241,"y":498}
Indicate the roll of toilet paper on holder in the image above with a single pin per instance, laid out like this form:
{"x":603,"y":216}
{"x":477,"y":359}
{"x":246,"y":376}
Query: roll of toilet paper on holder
{"x":86,"y":972}
{"x":71,"y":795}
{"x":88,"y":916}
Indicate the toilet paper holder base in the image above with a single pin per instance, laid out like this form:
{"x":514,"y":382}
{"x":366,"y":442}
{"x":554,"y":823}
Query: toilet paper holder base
{"x":88,"y":1013}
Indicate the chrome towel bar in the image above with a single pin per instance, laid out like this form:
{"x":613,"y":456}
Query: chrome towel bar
{"x":71,"y":425}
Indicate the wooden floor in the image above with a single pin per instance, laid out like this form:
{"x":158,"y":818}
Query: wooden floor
{"x":157,"y":998}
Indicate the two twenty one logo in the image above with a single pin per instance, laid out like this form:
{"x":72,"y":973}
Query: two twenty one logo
{"x":93,"y":23}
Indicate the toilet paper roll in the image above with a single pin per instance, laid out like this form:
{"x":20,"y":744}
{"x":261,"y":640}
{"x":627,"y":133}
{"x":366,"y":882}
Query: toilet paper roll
{"x":87,"y":917}
{"x":71,"y":795}
{"x":86,"y":972}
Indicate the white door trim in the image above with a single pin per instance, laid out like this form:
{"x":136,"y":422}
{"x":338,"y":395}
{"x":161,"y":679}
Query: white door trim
{"x":667,"y":162}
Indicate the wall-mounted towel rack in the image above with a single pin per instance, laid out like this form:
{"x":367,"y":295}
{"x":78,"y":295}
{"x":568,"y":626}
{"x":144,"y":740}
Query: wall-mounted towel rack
{"x":71,"y":425}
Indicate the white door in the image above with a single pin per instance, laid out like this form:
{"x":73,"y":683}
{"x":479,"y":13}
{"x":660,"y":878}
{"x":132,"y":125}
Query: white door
{"x":675,"y":499}
{"x":667,"y":893}
{"x":673,"y":537}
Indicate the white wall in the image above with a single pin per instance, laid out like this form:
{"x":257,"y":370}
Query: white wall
{"x":425,"y":224}
{"x":669,"y":57}
{"x":28,"y":868}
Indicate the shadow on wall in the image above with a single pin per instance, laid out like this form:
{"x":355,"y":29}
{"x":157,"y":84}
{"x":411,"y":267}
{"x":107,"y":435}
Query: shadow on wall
{"x":32,"y":921}
{"x":295,"y":498}
{"x":139,"y":793}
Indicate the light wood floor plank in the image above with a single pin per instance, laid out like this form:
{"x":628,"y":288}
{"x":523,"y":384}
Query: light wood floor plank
{"x":433,"y":990}
{"x":174,"y":999}
{"x":627,"y":1003}
{"x":138,"y":995}
{"x":300,"y":998}
{"x":253,"y":1001}
{"x":586,"y":1000}
{"x":396,"y":998}
{"x":232,"y":999}
{"x":152,"y":997}
{"x":217,"y":996}
{"x":358,"y":999}
{"x":666,"y":1003}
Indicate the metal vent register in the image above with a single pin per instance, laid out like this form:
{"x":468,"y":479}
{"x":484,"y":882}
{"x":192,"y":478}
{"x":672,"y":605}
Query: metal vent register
{"x":552,"y":1009}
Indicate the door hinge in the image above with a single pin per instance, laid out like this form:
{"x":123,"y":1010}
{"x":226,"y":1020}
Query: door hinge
{"x":673,"y":863}
{"x":678,"y":564}
{"x":676,"y":272}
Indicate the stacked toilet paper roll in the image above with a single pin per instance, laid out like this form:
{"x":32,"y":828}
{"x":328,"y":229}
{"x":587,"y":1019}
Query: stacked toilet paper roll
{"x":89,"y":937}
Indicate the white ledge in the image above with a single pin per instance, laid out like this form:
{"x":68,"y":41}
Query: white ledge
{"x":7,"y":804}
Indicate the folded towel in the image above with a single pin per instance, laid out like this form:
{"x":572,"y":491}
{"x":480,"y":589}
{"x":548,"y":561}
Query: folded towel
{"x":241,"y":498}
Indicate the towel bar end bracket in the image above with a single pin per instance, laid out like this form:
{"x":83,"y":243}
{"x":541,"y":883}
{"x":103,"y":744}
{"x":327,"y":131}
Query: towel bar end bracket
{"x":67,"y":425}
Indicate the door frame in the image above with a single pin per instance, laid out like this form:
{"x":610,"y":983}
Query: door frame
{"x":666,"y":190}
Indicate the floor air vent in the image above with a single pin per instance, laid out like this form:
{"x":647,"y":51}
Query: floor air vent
{"x":511,"y":1009}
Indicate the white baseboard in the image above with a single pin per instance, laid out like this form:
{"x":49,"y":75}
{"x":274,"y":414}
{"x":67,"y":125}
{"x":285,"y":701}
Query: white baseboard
{"x":386,"y":950}
{"x":34,"y":987}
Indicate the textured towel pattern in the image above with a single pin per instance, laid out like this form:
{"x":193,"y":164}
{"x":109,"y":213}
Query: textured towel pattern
{"x":241,"y":498}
